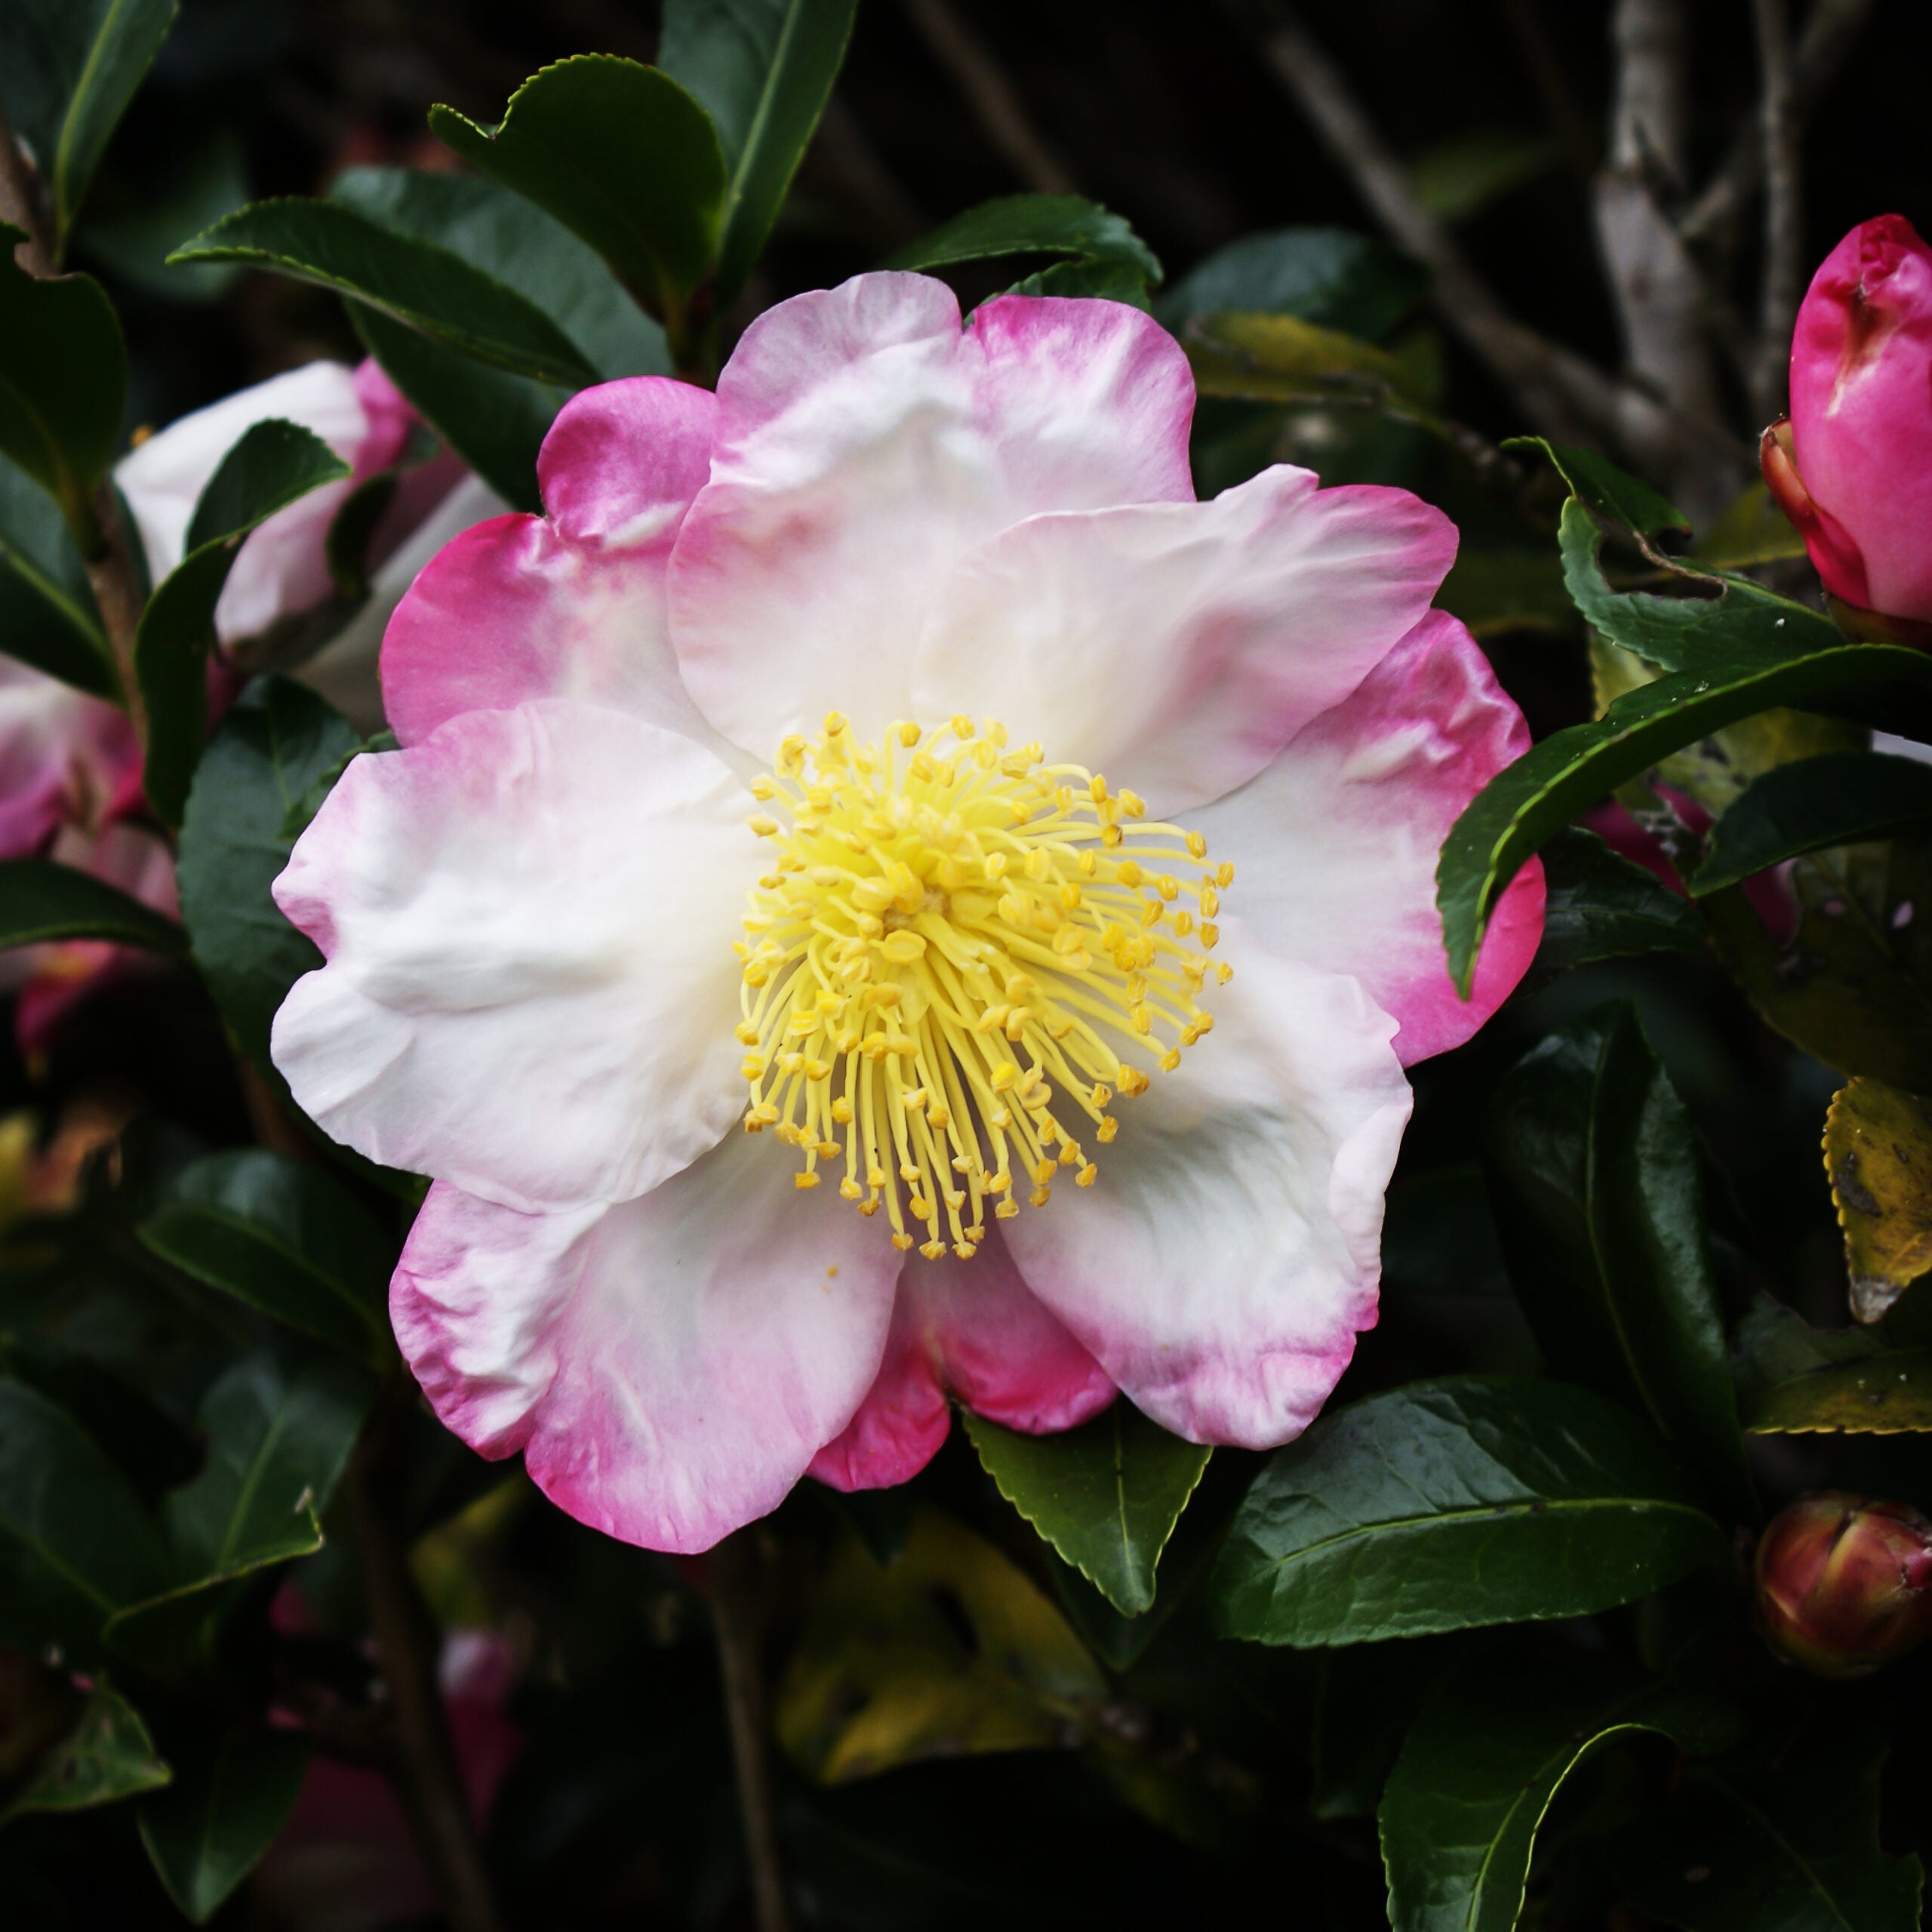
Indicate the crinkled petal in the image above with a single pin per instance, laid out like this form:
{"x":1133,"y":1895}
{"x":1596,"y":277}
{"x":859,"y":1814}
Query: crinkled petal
{"x":1220,"y":1267}
{"x":974,"y":1330}
{"x":570,"y":604}
{"x":864,"y":445}
{"x":528,"y":919}
{"x":282,"y":569}
{"x":65,"y":759}
{"x":1178,"y":647}
{"x":1335,"y":844}
{"x":669,"y":1365}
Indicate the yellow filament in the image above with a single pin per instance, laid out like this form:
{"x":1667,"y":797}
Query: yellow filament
{"x":939,"y":958}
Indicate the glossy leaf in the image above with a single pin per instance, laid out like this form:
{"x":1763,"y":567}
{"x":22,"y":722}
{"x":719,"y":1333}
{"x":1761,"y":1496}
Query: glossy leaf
{"x":1840,"y":799}
{"x":1601,"y":906}
{"x":1331,"y":277}
{"x":1832,"y":953}
{"x":232,"y":1793}
{"x":71,"y":67}
{"x":41,"y":899}
{"x":623,"y":157}
{"x":107,"y":1755}
{"x":276,"y":740}
{"x":1887,"y":1395}
{"x":1091,"y":281}
{"x":1593,"y":1166}
{"x":1446,"y":1505}
{"x":763,"y":70}
{"x":47,"y":612}
{"x":74,"y":1542}
{"x":1281,"y":358}
{"x":948,"y":1650}
{"x":1789,"y":1846}
{"x":1529,"y":801}
{"x":419,"y":284}
{"x":1879,"y":1160}
{"x":498,"y":231}
{"x":1610,"y":491}
{"x":272,"y":465}
{"x":1775,"y":1344}
{"x":63,"y":384}
{"x":1031,"y":225}
{"x":1106,"y":1496}
{"x":284,"y":1237}
{"x":1477,"y":1772}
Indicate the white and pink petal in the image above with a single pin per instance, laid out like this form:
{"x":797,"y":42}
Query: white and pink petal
{"x":668,"y":1365}
{"x":527,"y":918}
{"x":969,"y":1330}
{"x":1335,"y":844}
{"x":1222,"y":1265}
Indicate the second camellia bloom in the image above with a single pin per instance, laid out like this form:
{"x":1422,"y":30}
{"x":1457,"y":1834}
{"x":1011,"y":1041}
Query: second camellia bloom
{"x":888,"y":755}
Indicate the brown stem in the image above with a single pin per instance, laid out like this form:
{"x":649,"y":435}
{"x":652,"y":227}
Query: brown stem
{"x":426,"y":1775}
{"x":116,"y":584}
{"x":993,"y":98}
{"x":1831,"y":30}
{"x":1784,"y":213}
{"x":737,"y":1567}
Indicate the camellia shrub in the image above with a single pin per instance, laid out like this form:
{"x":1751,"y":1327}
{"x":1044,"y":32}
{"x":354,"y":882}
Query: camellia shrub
{"x":818,"y":1114}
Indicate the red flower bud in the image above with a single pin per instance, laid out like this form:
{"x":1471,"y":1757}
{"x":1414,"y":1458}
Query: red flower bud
{"x":1852,"y":470}
{"x":1844,"y":1583}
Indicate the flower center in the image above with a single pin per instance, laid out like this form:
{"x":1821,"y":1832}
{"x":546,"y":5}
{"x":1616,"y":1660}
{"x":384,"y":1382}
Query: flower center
{"x":949,"y":942}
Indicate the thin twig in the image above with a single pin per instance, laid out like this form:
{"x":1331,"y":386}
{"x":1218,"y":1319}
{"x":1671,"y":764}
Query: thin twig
{"x":994,"y":99}
{"x":737,"y":1567}
{"x":1784,"y":210}
{"x":1831,"y":30}
{"x":111,"y":572}
{"x":427,"y":1781}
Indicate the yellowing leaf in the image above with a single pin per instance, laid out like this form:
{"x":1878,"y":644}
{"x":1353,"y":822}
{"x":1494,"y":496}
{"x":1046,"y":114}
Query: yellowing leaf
{"x":1281,"y":358}
{"x":1878,"y":1158}
{"x":948,"y":1651}
{"x":1884,"y":1394}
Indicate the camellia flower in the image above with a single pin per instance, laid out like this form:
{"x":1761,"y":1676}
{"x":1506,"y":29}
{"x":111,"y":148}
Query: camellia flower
{"x":1853,"y":467}
{"x":883,"y":897}
{"x":70,"y":768}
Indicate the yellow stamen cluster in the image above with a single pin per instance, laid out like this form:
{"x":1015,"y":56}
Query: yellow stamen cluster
{"x":951,"y":942}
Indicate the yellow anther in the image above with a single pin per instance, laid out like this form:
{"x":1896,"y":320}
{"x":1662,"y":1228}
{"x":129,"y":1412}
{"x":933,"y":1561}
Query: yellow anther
{"x":1196,"y":845}
{"x":903,"y":948}
{"x":933,"y":1250}
{"x":851,"y":1190}
{"x":804,"y":1180}
{"x":764,"y":826}
{"x":1041,"y":1196}
{"x":1128,"y":873}
{"x":1087,"y":1176}
{"x":902,"y":1242}
{"x":1133,"y":804}
{"x":834,"y":722}
{"x":1006,"y":1209}
{"x":962,"y":728}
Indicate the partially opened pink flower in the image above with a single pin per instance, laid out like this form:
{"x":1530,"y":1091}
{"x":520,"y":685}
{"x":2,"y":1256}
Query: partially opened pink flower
{"x":889,"y":756}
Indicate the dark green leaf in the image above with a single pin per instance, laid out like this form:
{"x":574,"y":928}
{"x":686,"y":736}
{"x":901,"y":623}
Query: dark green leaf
{"x":622,"y":156}
{"x":1531,"y":800}
{"x":509,"y":239}
{"x":1478,"y":1771}
{"x":1102,"y":282}
{"x":426,"y":286}
{"x":1281,"y":358}
{"x":107,"y":1756}
{"x":154,"y":1452}
{"x":1775,"y":1344}
{"x":1601,"y":906}
{"x":41,"y":899}
{"x":1884,"y":1394}
{"x":1793,"y":1846}
{"x":276,"y":740}
{"x":1836,"y":800}
{"x":1446,"y":1505}
{"x":1031,"y":225}
{"x":192,"y":192}
{"x":763,"y":69}
{"x":63,"y":384}
{"x":47,"y":612}
{"x":1593,"y":1167}
{"x":273,"y":463}
{"x":71,"y":66}
{"x":74,"y":1542}
{"x":1366,"y":1698}
{"x":284,"y":1237}
{"x":232,"y":1793}
{"x":1328,"y":276}
{"x":1107,"y":1495}
{"x":1846,"y":973}
{"x":1610,"y":491}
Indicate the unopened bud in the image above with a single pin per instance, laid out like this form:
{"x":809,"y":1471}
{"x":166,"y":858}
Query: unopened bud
{"x":1844,"y":1583}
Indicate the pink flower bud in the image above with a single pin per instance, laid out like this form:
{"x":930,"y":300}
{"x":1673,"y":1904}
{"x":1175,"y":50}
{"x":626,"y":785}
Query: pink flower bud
{"x":1844,"y":1583}
{"x":1852,"y":470}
